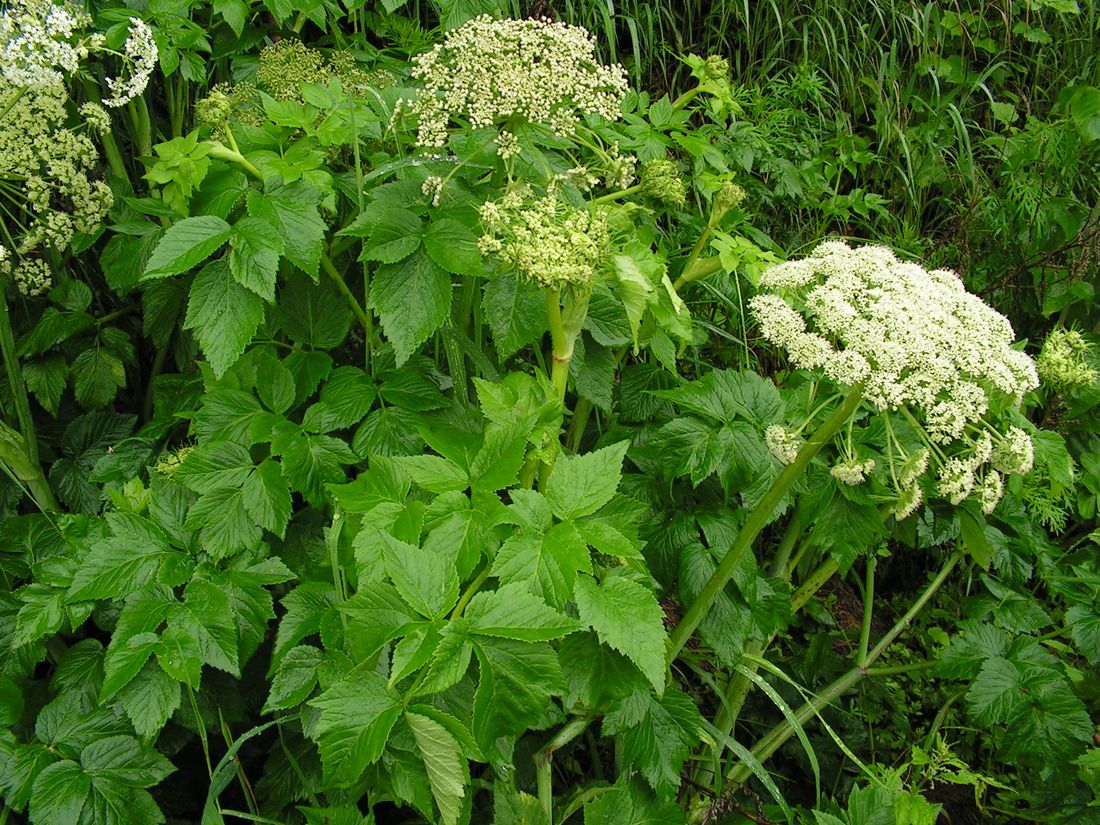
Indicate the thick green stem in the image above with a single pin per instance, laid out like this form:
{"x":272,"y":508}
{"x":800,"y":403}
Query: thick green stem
{"x":544,"y":758}
{"x":815,"y":582}
{"x":760,"y":517}
{"x":15,"y":381}
{"x":774,"y":739}
{"x":699,"y":268}
{"x":868,"y":606}
{"x":561,"y":350}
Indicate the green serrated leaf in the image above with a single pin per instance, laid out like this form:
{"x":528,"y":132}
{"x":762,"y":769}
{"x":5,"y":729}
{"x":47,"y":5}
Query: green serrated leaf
{"x":513,"y":612}
{"x":627,"y":618}
{"x":356,"y":716}
{"x":254,"y":249}
{"x":292,"y":210}
{"x":223,"y":315}
{"x":447,"y":768}
{"x":413,"y":298}
{"x":516,"y":312}
{"x":186,"y":244}
{"x":581,"y":485}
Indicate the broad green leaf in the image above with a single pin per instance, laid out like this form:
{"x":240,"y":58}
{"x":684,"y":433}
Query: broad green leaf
{"x":123,"y":563}
{"x":516,"y":312}
{"x":22,"y":766}
{"x":581,"y":485}
{"x":46,"y":379}
{"x":548,"y":564}
{"x":97,"y":375}
{"x":389,"y":431}
{"x":425,"y":580}
{"x":266,"y":497}
{"x":223,"y":315}
{"x":631,"y":804}
{"x":356,"y":716}
{"x":513,"y":612}
{"x":180,"y":655}
{"x":186,"y":244}
{"x":292,"y":210}
{"x":316,"y":316}
{"x":657,"y":734}
{"x":206,"y":615}
{"x":498,"y":462}
{"x":346,"y":397}
{"x":608,"y":539}
{"x":227,"y":415}
{"x":450,"y":659}
{"x":447,"y":768}
{"x":254,"y":248}
{"x":306,"y":606}
{"x":729,"y":395}
{"x":150,"y":699}
{"x":125,"y":660}
{"x":1084,"y":627}
{"x":214,"y":465}
{"x":376,"y":614}
{"x":389,"y":235}
{"x":294,"y":679}
{"x":516,"y":682}
{"x":413,"y":651}
{"x":434,"y":473}
{"x":635,"y":290}
{"x":595,"y":674}
{"x":60,"y":793}
{"x":122,"y":760}
{"x":226,"y":525}
{"x":310,"y":461}
{"x":453,"y":245}
{"x":41,"y":613}
{"x":412,"y":298}
{"x":627,"y":618}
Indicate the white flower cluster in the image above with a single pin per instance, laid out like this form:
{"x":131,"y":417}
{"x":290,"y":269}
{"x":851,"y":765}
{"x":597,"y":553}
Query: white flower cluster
{"x":493,"y":70}
{"x":42,"y":42}
{"x":141,"y":55}
{"x":914,"y":340}
{"x":782,"y":443}
{"x":912,"y":337}
{"x":55,"y":165}
{"x":33,"y":277}
{"x":852,"y":471}
{"x":545,"y":239}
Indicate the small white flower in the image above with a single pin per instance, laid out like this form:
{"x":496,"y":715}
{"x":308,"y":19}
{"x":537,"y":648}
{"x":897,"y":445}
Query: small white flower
{"x":782,"y":443}
{"x":853,"y":471}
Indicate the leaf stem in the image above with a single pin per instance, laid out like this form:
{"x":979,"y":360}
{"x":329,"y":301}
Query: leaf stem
{"x":342,"y":287}
{"x":758,"y":518}
{"x":471,"y":591}
{"x":571,"y":730}
{"x":868,"y":605}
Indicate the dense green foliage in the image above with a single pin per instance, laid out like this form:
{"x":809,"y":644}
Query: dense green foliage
{"x":398,"y":435}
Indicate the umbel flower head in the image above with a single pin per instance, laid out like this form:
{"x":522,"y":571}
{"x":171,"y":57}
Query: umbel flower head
{"x":42,"y":42}
{"x":490,"y":70}
{"x":545,"y":239}
{"x":916,"y":341}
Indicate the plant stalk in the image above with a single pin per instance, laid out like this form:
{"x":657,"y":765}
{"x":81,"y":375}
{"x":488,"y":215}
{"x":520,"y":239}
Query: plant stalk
{"x":774,"y":739}
{"x":544,"y":758}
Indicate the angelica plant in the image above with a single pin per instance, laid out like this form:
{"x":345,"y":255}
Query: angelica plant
{"x":907,"y":344}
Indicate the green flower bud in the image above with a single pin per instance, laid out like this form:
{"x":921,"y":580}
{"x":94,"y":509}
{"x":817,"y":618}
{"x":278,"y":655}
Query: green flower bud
{"x":729,"y":197}
{"x":1063,"y":362}
{"x":214,"y":109}
{"x":662,"y":181}
{"x":717,"y":68}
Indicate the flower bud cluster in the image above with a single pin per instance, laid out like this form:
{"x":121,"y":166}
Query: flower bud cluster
{"x":492,"y":70}
{"x":852,"y":471}
{"x":918,"y":342}
{"x":1063,"y":362}
{"x":546,"y":240}
{"x":782,"y":443}
{"x":662,"y":181}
